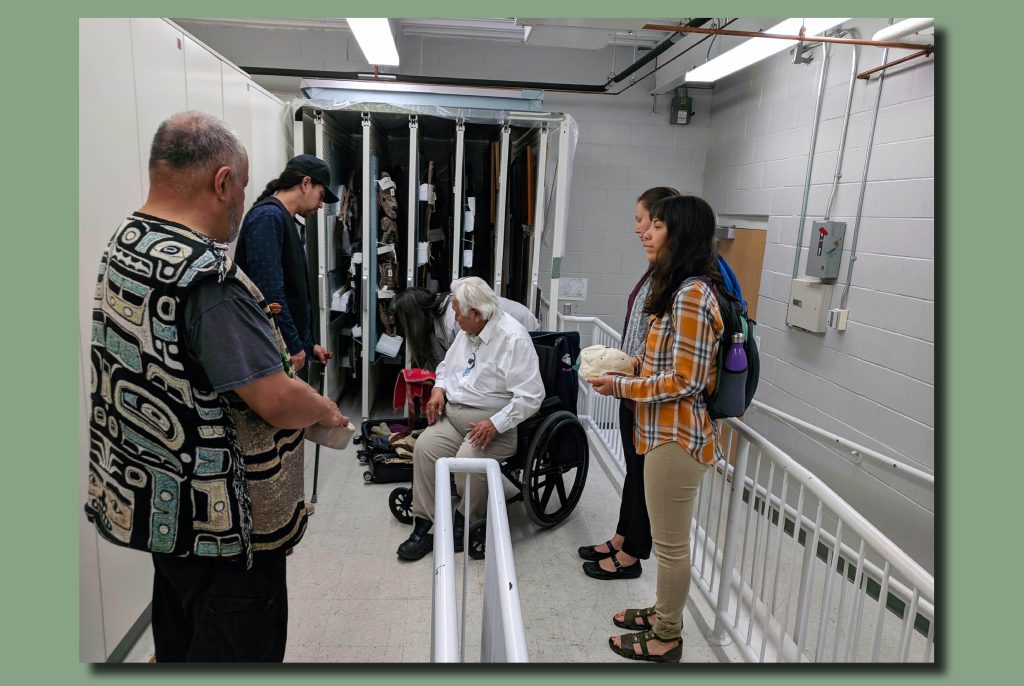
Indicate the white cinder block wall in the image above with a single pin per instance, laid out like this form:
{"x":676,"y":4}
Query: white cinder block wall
{"x":745,"y":152}
{"x":873,"y":383}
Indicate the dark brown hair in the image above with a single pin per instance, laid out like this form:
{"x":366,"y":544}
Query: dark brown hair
{"x":652,"y":196}
{"x":688,"y":252}
{"x":289,"y":178}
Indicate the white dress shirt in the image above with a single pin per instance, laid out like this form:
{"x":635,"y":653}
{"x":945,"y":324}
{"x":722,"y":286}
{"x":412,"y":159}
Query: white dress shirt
{"x":497,"y":370}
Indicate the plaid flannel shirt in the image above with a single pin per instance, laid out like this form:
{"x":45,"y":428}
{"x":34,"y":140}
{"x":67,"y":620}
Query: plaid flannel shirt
{"x":678,"y":363}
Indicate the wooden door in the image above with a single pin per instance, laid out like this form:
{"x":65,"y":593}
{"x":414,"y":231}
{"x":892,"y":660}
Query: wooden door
{"x":745,"y":254}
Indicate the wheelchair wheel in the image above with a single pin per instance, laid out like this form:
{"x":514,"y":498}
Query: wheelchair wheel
{"x":478,"y":539}
{"x":400,"y":502}
{"x":555,"y":469}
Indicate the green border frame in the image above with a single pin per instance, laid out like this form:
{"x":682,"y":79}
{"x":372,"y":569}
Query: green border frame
{"x":978,"y":148}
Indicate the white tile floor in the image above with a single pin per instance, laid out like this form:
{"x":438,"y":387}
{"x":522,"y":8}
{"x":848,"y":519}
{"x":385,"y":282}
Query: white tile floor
{"x":352,"y":600}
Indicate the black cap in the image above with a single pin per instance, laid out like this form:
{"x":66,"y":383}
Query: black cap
{"x":316,"y":169}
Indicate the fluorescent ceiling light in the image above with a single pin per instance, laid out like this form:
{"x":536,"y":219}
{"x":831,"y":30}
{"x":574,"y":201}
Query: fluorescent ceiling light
{"x":375,"y":40}
{"x":757,"y":49}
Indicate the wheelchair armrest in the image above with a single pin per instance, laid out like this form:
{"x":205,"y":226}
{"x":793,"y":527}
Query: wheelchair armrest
{"x":548,"y":406}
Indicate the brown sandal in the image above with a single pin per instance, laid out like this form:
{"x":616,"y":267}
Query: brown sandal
{"x":642,"y":638}
{"x":631,"y":615}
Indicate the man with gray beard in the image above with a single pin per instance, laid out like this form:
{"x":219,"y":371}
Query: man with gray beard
{"x":196,"y":424}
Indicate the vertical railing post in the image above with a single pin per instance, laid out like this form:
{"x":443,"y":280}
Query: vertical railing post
{"x":719,"y":635}
{"x":806,"y":583}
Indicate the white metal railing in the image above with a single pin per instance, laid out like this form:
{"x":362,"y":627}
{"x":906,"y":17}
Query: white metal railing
{"x":502,"y":637}
{"x":809,"y":578}
{"x":857,"y":451}
{"x":600,"y":413}
{"x":802,"y":566}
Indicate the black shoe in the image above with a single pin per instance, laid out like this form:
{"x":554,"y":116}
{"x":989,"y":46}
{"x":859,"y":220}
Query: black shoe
{"x":419,"y":543}
{"x":458,"y":530}
{"x":590,"y":552}
{"x":594,"y":571}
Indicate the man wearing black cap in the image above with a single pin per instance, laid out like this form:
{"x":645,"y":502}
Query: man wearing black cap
{"x":272,"y":251}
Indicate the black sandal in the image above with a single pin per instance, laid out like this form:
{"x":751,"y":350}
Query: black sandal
{"x":642,"y":638}
{"x":590,"y":552}
{"x":631,"y":615}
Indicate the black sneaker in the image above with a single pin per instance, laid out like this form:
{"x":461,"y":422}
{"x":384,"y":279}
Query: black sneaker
{"x":419,"y":543}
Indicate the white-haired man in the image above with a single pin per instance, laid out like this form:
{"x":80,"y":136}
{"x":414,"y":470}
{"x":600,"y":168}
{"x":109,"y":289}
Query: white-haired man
{"x":487,"y":384}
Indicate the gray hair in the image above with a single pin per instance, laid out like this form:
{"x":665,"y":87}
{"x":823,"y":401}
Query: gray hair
{"x":473,"y":293}
{"x":195,"y":144}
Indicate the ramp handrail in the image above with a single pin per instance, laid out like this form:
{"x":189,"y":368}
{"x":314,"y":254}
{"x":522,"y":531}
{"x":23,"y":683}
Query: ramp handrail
{"x":809,"y":603}
{"x":503,"y":638}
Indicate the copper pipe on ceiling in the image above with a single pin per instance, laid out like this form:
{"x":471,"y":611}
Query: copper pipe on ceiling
{"x":801,"y":38}
{"x":921,"y":53}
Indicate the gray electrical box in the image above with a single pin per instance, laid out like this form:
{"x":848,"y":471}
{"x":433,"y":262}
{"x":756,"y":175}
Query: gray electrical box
{"x":826,"y":249}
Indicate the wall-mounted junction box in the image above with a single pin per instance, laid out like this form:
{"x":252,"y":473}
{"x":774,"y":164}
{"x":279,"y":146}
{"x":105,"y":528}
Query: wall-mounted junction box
{"x":809,"y":303}
{"x":826,"y":250}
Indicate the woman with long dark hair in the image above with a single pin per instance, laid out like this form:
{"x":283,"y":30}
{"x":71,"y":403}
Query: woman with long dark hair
{"x":619,"y":557}
{"x":673,"y":429}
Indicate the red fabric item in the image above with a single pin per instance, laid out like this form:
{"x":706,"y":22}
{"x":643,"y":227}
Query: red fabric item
{"x":412,"y":384}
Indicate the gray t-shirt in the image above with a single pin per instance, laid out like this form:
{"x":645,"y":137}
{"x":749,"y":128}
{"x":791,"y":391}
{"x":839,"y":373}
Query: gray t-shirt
{"x":229,"y":335}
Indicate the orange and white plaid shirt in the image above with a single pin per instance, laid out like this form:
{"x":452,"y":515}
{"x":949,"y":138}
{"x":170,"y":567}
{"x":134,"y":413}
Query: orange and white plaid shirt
{"x":679,"y":362}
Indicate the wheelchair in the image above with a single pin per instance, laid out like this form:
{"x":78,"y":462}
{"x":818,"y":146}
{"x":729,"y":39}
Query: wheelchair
{"x":549,"y":469}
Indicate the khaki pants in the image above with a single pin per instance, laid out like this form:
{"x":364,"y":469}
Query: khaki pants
{"x":671,"y":480}
{"x":447,"y":438}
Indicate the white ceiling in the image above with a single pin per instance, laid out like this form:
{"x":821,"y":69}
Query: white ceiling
{"x":583,"y":34}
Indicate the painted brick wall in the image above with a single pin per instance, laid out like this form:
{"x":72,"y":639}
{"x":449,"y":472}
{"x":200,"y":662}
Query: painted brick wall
{"x":873,"y":383}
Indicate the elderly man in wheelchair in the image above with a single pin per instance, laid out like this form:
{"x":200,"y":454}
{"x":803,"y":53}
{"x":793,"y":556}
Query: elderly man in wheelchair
{"x":488,"y":384}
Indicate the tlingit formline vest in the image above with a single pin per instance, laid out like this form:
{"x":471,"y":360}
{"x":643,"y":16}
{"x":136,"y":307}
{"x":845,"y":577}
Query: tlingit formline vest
{"x":174,"y":467}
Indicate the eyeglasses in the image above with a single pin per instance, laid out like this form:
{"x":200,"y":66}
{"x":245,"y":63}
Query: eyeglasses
{"x":470,"y":363}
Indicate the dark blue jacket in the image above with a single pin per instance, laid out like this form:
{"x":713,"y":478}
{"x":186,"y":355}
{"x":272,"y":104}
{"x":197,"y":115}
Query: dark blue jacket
{"x":273,"y":254}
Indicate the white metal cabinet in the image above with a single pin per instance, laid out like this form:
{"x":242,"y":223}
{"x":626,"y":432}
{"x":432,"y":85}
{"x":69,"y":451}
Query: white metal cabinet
{"x":159,"y":63}
{"x":238,"y":114}
{"x":271,"y":144}
{"x":109,"y":186}
{"x":203,"y":89}
{"x":133,"y":76}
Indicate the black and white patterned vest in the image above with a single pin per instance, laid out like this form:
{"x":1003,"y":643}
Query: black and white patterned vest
{"x":174,"y":467}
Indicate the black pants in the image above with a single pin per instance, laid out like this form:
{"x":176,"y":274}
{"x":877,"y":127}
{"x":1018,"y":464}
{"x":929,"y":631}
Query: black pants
{"x":212,"y":610}
{"x":634,"y":523}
